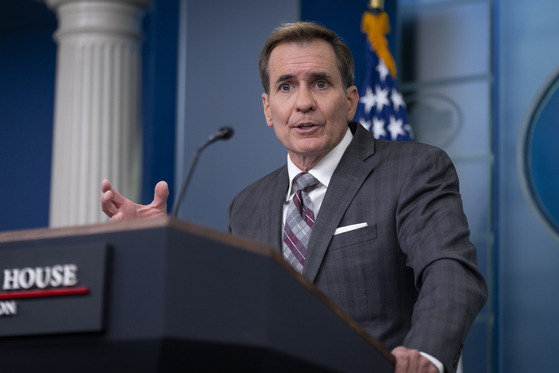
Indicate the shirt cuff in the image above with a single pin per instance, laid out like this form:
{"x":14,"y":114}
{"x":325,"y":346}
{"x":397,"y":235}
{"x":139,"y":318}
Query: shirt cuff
{"x":434,"y":361}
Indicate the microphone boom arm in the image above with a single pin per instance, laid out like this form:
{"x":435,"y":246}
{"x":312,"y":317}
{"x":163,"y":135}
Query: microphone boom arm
{"x":223,"y":134}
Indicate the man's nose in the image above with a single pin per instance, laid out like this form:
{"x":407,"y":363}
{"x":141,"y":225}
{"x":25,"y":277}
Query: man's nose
{"x":305,"y":100}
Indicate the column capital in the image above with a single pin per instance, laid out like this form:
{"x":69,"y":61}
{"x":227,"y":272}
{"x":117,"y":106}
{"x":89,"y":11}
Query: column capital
{"x":116,"y":17}
{"x":53,"y":4}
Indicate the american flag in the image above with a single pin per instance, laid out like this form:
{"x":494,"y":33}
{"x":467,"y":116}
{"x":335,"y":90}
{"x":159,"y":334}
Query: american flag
{"x":381,"y":109}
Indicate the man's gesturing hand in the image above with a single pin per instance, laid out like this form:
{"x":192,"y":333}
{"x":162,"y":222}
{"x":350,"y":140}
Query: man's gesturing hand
{"x":119,"y":208}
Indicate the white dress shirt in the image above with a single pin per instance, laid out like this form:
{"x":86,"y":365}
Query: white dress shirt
{"x":322,"y":171}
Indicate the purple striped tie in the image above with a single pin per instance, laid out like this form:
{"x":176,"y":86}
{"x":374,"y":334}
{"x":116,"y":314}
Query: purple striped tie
{"x":299,"y":222}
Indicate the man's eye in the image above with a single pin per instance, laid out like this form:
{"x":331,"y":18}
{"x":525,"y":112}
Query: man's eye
{"x":284,"y":87}
{"x":321,"y":84}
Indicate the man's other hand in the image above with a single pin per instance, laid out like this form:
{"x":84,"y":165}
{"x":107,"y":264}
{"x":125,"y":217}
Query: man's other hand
{"x":408,"y":361}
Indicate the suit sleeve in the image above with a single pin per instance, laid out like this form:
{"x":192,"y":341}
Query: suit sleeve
{"x":433,"y":233}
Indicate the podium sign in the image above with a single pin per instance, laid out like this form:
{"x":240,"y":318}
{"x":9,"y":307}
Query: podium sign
{"x":52,"y":290}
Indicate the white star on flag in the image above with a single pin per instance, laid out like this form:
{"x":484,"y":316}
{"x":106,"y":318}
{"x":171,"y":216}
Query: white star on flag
{"x":381,"y":98}
{"x":397,"y":100}
{"x":395,"y":127}
{"x":382,"y":70}
{"x":378,"y":128}
{"x":368,"y":100}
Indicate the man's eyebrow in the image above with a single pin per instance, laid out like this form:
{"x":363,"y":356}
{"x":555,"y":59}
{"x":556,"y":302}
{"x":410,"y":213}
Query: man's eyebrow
{"x":321,"y":75}
{"x":285,"y":77}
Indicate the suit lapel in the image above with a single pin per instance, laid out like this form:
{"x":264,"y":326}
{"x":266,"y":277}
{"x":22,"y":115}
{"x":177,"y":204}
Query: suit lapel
{"x":275,"y":197}
{"x":350,"y":174}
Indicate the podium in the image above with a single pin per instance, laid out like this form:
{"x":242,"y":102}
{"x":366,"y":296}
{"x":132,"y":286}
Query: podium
{"x":160,"y":295}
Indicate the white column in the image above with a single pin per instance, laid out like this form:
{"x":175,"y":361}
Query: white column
{"x":97,"y":128}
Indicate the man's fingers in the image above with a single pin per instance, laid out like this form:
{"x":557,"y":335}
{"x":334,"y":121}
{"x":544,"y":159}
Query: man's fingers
{"x":107,"y":204}
{"x":161,"y":194}
{"x":402,"y":359}
{"x":105,"y":185}
{"x":117,"y":198}
{"x":111,"y":200}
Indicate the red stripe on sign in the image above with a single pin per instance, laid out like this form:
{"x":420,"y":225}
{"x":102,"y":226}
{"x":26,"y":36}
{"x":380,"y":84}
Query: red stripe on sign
{"x":44,"y":293}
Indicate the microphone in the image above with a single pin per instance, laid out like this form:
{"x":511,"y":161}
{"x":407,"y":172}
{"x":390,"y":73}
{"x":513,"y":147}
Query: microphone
{"x":223,"y":133}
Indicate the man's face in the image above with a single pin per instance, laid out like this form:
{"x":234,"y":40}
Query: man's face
{"x":307,"y":104}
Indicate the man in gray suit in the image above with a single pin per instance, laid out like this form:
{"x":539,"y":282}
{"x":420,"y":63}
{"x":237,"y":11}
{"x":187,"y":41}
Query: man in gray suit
{"x":389,"y":240}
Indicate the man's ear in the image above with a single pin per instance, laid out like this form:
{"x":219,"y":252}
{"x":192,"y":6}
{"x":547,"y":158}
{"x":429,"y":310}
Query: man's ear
{"x":352,"y":101}
{"x":266,"y":106}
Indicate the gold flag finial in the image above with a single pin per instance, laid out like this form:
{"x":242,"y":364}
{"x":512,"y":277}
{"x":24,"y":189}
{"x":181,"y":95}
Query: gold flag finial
{"x":375,"y":26}
{"x":376,"y":4}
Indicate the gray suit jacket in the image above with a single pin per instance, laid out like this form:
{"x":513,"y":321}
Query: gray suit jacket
{"x":410,"y":277}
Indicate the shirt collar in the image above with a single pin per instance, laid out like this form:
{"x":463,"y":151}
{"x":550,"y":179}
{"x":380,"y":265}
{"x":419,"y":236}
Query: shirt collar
{"x":324,"y":169}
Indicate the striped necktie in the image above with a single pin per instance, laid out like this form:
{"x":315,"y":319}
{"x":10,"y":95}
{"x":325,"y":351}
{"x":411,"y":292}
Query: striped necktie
{"x":299,"y":222}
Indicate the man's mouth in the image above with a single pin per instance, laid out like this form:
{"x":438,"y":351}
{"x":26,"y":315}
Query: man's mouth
{"x":305,"y":126}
